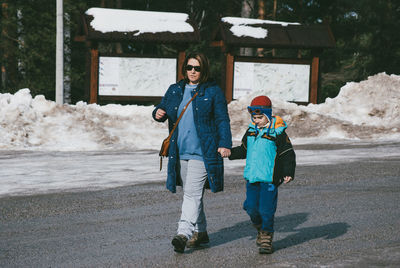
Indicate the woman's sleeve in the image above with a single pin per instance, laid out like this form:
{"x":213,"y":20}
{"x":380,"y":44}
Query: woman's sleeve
{"x":222,"y":120}
{"x":162,"y":105}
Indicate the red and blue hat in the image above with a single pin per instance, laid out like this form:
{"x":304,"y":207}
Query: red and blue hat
{"x":261,"y":105}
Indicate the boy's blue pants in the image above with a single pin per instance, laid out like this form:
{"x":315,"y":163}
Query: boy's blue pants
{"x":260,"y":204}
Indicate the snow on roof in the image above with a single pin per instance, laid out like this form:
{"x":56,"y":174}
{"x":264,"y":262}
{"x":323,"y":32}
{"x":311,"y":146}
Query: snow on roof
{"x":119,"y":20}
{"x":242,"y":26}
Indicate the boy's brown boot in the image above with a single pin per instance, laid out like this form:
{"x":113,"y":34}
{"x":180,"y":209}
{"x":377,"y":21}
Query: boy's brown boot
{"x":179,"y":243}
{"x":258,"y":227}
{"x":265,"y":242}
{"x":197,"y":239}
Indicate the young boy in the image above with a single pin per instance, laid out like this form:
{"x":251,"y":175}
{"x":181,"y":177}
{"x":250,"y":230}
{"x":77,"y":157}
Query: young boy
{"x":270,"y":160}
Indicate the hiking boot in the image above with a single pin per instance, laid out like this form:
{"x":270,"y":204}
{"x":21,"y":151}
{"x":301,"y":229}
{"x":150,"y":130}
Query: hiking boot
{"x":179,"y":243}
{"x":265,"y":242}
{"x":197,"y":239}
{"x":258,"y":227}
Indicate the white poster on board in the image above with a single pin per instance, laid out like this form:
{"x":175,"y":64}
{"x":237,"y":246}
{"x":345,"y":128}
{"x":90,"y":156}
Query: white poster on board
{"x":123,"y":76}
{"x":289,"y":82}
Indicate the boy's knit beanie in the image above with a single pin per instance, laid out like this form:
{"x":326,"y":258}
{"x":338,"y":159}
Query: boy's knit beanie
{"x":261,"y":101}
{"x":263,"y":104}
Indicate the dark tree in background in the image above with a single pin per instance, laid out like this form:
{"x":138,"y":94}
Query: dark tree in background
{"x":366,"y":32}
{"x":8,"y":45}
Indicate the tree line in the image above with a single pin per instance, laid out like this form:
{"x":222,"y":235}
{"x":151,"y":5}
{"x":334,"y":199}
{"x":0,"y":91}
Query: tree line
{"x":366,"y":32}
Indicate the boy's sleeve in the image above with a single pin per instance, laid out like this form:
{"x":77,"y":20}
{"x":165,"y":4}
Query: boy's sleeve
{"x":240,"y":152}
{"x":286,"y":155}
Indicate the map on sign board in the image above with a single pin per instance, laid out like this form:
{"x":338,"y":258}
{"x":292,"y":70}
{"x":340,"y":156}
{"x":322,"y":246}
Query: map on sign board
{"x":131,"y":76}
{"x":289,"y":82}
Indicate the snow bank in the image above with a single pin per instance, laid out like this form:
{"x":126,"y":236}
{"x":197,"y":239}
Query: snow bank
{"x":368,"y":110}
{"x":27,"y":122}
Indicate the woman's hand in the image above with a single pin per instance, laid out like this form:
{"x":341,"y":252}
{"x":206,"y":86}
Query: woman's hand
{"x":224,"y":152}
{"x":160,"y":113}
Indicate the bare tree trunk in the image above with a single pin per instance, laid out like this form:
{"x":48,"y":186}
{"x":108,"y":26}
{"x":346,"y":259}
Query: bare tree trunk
{"x":268,"y":15}
{"x":273,"y":15}
{"x":118,"y":46}
{"x":261,"y":16}
{"x":67,"y":58}
{"x":8,"y":44}
{"x":301,"y":21}
{"x":301,"y":11}
{"x":261,"y":9}
{"x":4,"y":7}
{"x":118,"y":4}
{"x":112,"y":47}
{"x":247,"y":10}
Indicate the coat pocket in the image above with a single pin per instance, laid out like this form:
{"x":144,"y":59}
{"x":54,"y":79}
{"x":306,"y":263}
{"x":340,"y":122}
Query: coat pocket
{"x":204,"y":105}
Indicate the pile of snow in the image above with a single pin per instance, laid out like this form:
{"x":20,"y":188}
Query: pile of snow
{"x":362,"y":111}
{"x":375,"y":102}
{"x":27,"y":122}
{"x":367,"y":110}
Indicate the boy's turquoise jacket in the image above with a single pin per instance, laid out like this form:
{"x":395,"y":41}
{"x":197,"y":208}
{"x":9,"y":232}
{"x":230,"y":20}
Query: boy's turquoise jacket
{"x":269,"y":153}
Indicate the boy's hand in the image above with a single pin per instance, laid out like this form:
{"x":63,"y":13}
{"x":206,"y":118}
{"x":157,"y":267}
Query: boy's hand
{"x":287,"y":179}
{"x":224,"y":152}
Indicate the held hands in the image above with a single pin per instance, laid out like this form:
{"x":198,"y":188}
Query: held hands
{"x":224,"y":152}
{"x":160,"y":113}
{"x":287,"y":179}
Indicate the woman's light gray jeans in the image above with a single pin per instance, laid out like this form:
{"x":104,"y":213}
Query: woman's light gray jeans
{"x":193,"y":219}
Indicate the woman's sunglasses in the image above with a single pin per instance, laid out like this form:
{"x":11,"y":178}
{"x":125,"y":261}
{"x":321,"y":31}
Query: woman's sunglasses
{"x":190,"y":67}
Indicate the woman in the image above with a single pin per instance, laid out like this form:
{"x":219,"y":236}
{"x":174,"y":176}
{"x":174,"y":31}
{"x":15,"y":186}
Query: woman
{"x":202,"y":138}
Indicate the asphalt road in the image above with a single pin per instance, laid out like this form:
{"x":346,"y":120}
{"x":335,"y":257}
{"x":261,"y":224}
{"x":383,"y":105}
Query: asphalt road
{"x":344,"y":215}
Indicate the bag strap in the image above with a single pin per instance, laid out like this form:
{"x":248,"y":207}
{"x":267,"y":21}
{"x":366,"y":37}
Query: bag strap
{"x":180,"y":116}
{"x":177,"y":121}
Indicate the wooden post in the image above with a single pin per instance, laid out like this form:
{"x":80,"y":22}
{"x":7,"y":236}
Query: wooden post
{"x":94,"y":75}
{"x":314,"y":80}
{"x":229,"y":77}
{"x":181,"y":59}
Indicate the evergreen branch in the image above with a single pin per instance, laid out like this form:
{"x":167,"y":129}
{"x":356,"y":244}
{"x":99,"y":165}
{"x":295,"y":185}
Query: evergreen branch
{"x":13,"y":39}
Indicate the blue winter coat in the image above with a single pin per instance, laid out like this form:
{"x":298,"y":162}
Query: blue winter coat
{"x":212,"y":123}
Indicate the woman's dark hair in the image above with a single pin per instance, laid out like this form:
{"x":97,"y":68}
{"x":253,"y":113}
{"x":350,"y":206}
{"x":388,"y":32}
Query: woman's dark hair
{"x":204,"y":65}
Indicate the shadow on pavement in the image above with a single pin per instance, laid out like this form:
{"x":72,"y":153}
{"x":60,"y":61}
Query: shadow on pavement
{"x":287,"y":223}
